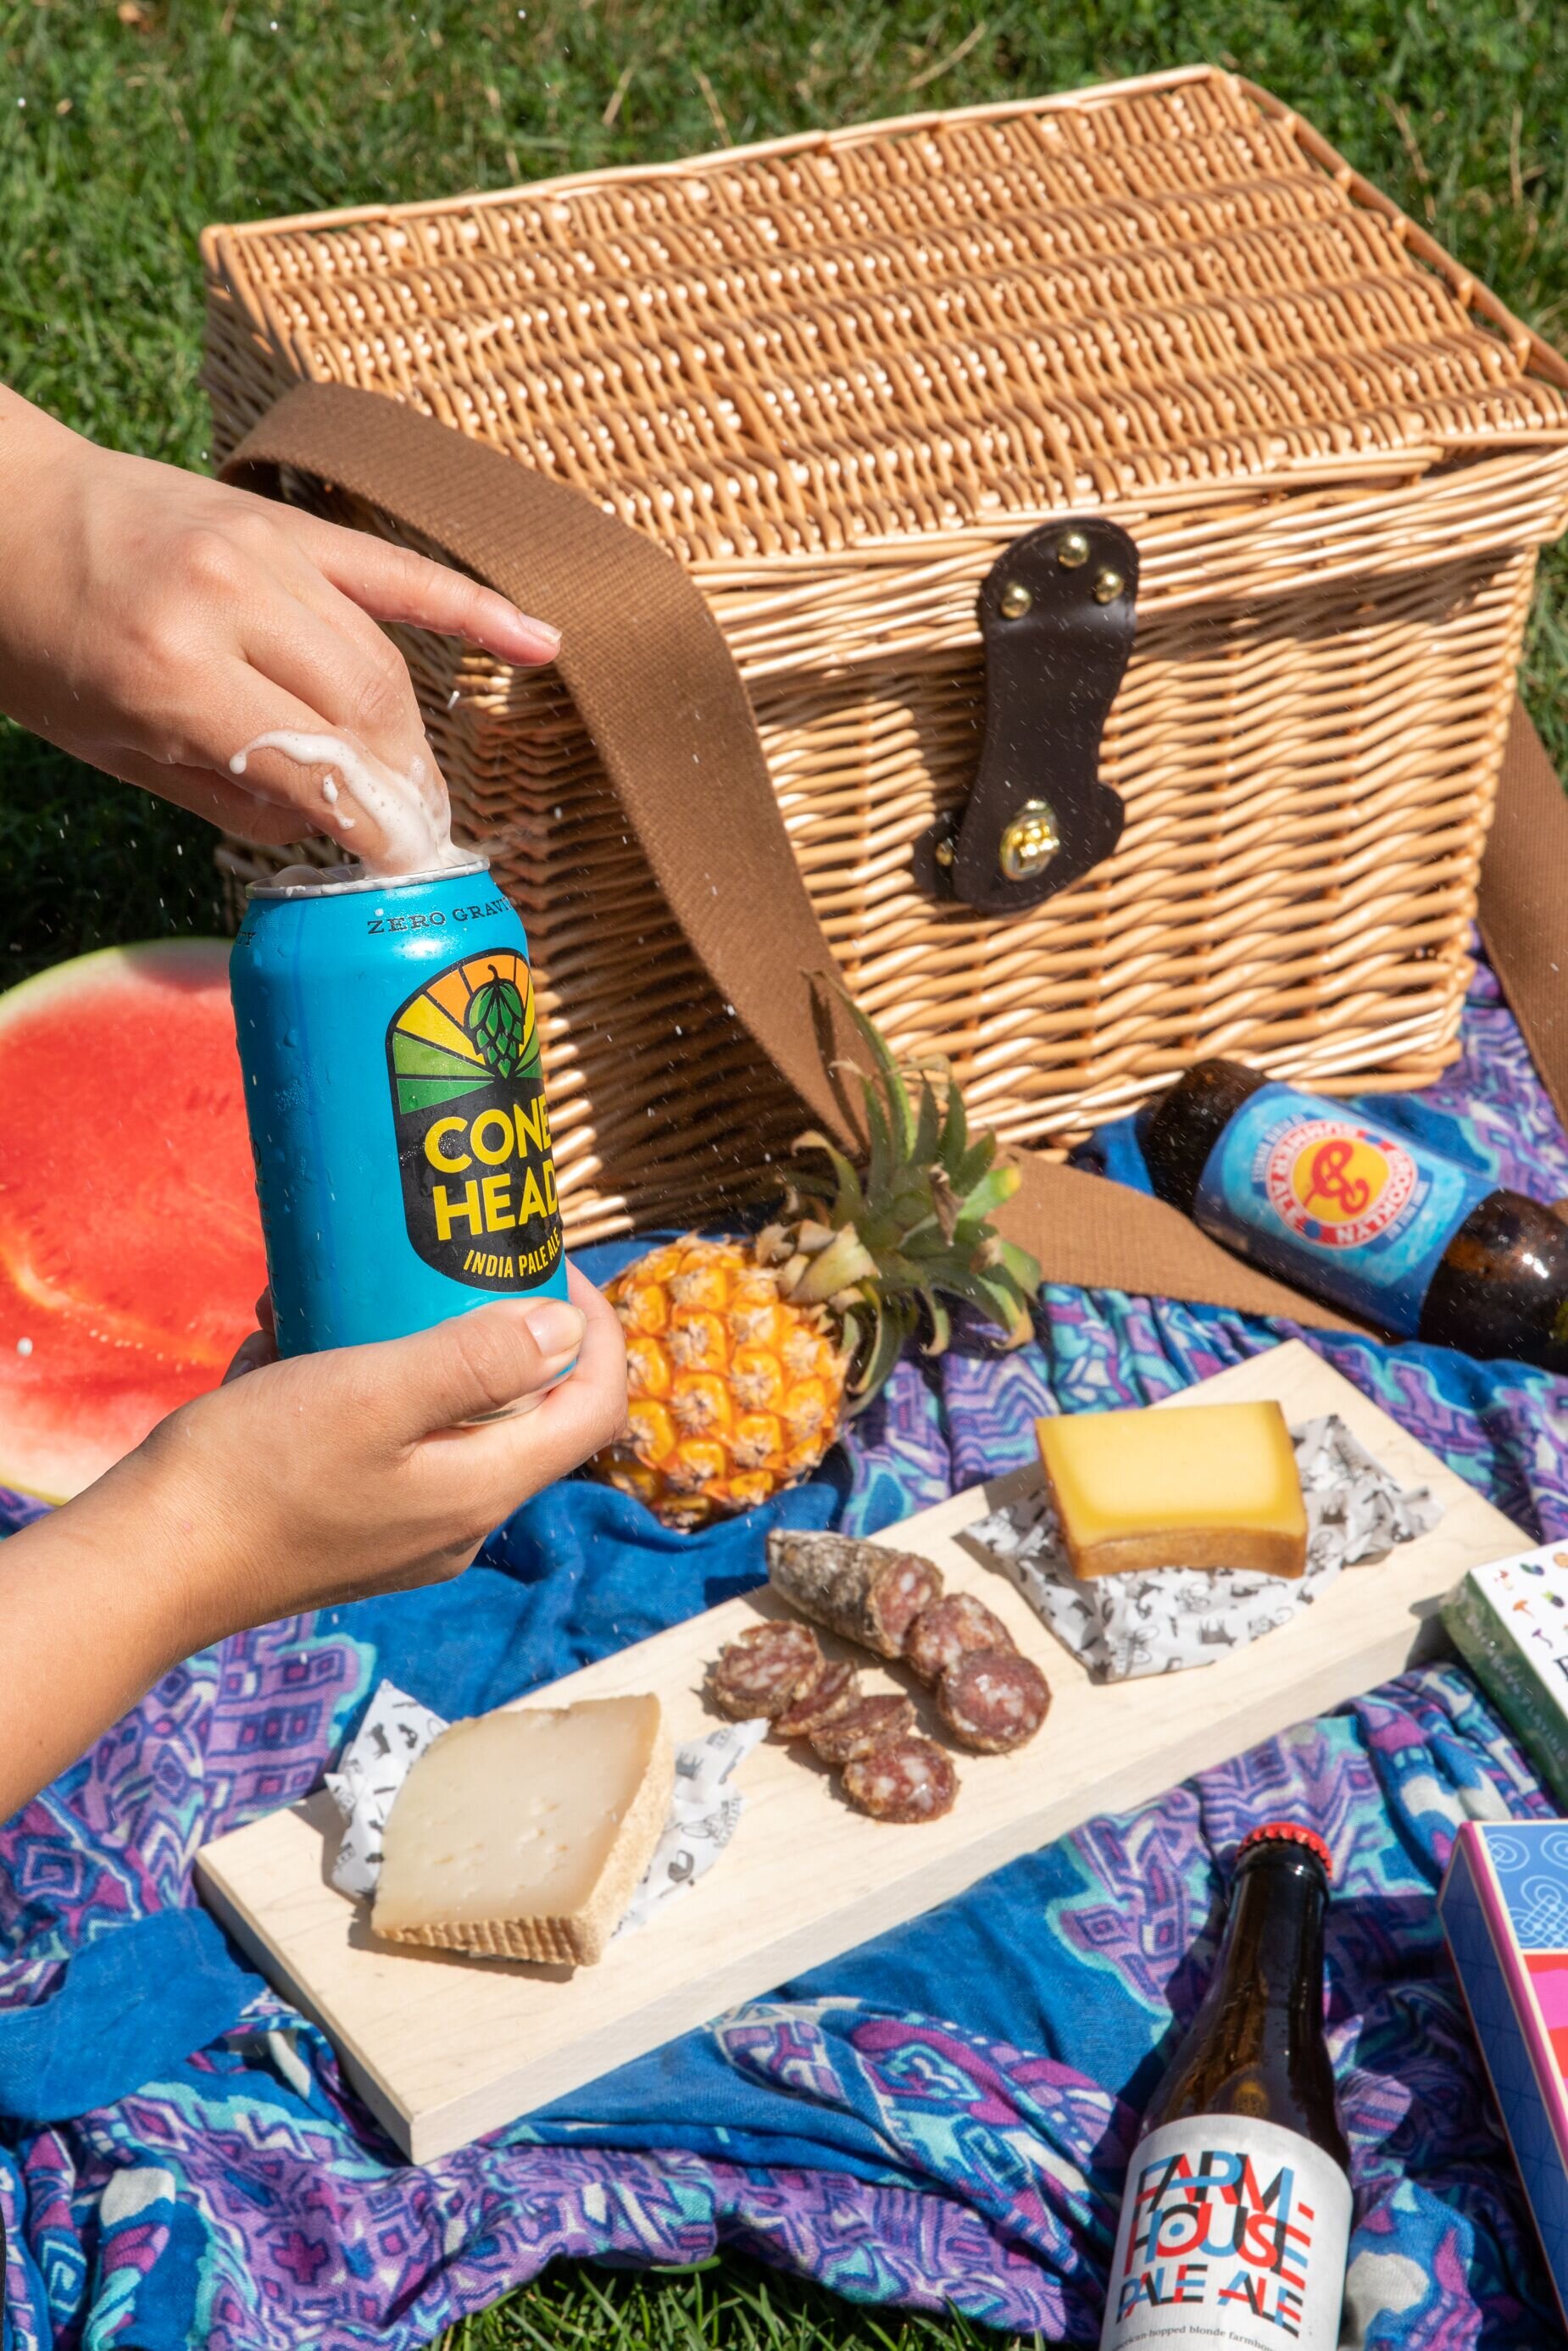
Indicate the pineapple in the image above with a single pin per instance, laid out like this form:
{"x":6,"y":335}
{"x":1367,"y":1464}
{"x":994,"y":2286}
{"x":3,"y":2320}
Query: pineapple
{"x":745,"y":1359}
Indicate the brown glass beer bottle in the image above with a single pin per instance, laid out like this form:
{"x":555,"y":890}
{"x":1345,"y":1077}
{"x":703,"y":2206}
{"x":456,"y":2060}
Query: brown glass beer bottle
{"x":1235,"y":2214}
{"x":1403,"y":1237}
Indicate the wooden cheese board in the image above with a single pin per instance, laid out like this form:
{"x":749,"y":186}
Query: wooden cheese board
{"x":444,"y":2049}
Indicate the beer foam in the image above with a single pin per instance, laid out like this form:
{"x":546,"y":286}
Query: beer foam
{"x":414,"y":819}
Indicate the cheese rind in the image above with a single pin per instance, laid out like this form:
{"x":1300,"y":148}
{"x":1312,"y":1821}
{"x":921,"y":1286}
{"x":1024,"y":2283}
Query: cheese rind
{"x":524,"y":1834}
{"x":1205,"y":1486}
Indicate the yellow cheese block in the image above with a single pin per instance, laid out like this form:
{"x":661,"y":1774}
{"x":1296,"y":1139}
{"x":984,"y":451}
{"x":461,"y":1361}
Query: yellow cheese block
{"x":524,"y":1834}
{"x":1211,"y":1486}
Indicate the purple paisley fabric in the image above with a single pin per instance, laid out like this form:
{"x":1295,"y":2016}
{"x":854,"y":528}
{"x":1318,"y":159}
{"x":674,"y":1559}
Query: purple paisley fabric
{"x":245,"y":2200}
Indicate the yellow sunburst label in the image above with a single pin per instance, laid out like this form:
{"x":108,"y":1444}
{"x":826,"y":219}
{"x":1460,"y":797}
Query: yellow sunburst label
{"x":1348,"y":1209}
{"x":472,"y":1131}
{"x":1340,"y":1183}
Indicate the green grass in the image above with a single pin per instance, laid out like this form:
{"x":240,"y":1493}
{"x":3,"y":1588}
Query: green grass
{"x":728,"y":2305}
{"x":133,"y":134}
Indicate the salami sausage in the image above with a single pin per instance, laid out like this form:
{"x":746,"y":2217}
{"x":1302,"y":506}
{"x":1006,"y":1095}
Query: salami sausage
{"x":897,"y":1596}
{"x":862,"y":1728}
{"x":909,"y":1780}
{"x":993,"y":1700}
{"x":833,"y":1691}
{"x":858,"y":1589}
{"x":941,"y":1634}
{"x":765,"y":1670}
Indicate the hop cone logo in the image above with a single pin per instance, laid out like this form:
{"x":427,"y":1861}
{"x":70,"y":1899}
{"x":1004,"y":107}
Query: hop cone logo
{"x":495,"y":1022}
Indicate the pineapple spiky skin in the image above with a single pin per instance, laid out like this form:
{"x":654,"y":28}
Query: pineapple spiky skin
{"x":742,"y":1361}
{"x":733,"y":1390}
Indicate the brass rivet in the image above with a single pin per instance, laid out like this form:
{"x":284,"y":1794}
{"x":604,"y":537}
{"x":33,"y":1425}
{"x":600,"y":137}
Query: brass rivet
{"x":1016,"y":601}
{"x":1030,"y":842}
{"x":944,"y":853}
{"x":1072,"y":549}
{"x":1108,"y":586}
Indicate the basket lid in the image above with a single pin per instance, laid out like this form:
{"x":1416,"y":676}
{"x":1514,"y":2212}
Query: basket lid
{"x":1144,"y":291}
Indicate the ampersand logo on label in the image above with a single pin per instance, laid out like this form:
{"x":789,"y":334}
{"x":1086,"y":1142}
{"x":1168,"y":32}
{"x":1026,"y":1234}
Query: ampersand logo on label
{"x":1336,"y":1184}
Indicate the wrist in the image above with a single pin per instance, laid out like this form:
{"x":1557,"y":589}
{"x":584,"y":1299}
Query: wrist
{"x":96,"y":1606}
{"x":46,"y":501}
{"x":32,"y":445}
{"x":145,"y":1531}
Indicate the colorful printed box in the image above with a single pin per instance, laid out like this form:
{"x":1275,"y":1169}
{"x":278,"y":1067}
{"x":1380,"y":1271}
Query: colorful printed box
{"x":1510,"y":1622}
{"x":1504,"y":1907}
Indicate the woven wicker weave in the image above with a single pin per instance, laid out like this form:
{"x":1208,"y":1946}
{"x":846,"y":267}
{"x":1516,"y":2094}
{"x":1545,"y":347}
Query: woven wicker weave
{"x":837,"y":376}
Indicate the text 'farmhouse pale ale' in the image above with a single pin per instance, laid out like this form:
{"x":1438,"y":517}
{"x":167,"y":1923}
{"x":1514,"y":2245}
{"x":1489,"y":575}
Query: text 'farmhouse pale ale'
{"x":1235,"y":2214}
{"x":1376,"y":1222}
{"x":389,"y":1041}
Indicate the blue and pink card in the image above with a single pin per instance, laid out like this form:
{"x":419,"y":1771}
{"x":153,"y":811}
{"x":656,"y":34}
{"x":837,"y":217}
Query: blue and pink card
{"x":1504,"y":1908}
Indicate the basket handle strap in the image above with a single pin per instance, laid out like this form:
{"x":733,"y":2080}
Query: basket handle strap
{"x":652,"y":679}
{"x":1523,"y":909}
{"x":658,"y":690}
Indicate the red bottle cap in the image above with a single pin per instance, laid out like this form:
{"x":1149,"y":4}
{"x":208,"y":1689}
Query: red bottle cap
{"x":1286,"y":1833}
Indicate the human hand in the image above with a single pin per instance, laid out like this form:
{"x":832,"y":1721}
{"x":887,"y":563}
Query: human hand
{"x":154,"y":623}
{"x":325,"y":1478}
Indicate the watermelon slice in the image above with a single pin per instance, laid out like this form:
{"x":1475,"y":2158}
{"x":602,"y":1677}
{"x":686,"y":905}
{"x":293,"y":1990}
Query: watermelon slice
{"x":130,"y":1253}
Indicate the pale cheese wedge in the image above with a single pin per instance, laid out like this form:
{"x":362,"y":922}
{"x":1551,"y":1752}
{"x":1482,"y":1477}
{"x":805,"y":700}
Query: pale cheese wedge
{"x":1207,"y":1485}
{"x":523,"y":1834}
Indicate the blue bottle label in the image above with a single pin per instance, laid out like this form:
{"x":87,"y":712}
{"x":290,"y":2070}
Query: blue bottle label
{"x":472,"y":1131}
{"x":1341,"y":1209}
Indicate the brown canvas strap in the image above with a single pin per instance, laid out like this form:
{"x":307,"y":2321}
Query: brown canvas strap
{"x":652,"y":678}
{"x":1524,"y":900}
{"x":659,"y":692}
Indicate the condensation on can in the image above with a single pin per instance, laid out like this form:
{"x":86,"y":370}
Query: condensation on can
{"x":389,"y":1038}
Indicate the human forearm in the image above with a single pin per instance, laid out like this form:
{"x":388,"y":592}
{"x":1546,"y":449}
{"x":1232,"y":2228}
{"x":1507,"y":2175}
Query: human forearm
{"x":93,"y":1612}
{"x":298,"y":1485}
{"x":29,"y":436}
{"x":45,"y":497}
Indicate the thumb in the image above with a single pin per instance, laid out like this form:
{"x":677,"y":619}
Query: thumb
{"x":479,"y":1362}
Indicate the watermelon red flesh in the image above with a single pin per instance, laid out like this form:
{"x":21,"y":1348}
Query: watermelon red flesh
{"x":130,"y":1253}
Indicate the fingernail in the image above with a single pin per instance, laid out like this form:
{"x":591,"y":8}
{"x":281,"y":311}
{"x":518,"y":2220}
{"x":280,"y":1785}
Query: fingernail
{"x":253,"y":1353}
{"x":550,"y":634}
{"x":555,"y":1329}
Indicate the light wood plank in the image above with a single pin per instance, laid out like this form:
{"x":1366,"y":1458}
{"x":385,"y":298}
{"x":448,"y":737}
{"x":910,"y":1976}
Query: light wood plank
{"x":444,"y":2049}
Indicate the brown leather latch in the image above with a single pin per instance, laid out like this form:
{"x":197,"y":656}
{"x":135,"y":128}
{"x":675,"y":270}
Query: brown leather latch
{"x":1058,"y":614}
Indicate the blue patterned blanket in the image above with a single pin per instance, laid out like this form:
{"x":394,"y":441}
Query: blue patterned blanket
{"x":941,"y":2118}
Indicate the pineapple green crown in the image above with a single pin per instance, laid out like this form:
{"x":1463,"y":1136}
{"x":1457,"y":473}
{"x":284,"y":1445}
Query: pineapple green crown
{"x":887,"y":1246}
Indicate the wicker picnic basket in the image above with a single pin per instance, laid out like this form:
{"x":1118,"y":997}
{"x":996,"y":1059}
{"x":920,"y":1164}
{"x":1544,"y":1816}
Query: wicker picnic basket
{"x":1122,"y":520}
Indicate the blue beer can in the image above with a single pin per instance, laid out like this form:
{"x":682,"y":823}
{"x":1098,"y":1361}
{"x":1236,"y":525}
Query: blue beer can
{"x":390,"y":1043}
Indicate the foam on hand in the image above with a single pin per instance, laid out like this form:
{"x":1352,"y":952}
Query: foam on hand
{"x":410,"y":811}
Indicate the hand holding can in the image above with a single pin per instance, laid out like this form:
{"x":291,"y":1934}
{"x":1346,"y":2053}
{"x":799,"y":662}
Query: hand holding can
{"x":388,"y":1037}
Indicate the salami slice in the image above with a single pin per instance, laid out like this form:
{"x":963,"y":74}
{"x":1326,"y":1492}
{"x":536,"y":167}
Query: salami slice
{"x":993,"y":1700}
{"x":909,"y":1780}
{"x":833,"y":1691}
{"x":862,"y":1728}
{"x":858,"y":1589}
{"x":941,"y":1634}
{"x":765,"y":1670}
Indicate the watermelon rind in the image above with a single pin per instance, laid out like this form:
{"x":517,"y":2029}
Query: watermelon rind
{"x":59,"y":978}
